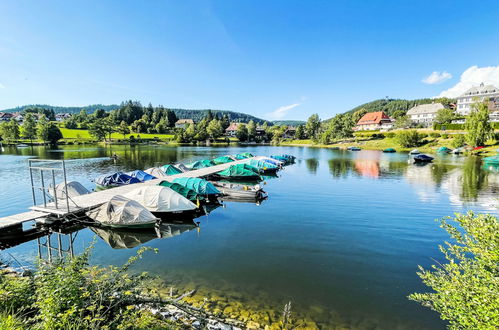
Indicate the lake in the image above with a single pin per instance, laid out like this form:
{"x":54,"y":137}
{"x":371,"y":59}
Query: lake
{"x":340,"y":236}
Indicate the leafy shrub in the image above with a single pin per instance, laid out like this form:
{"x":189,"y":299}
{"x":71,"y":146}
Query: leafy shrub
{"x":390,"y":135}
{"x":434,"y":134}
{"x":465,"y":290}
{"x":459,"y":140}
{"x":409,"y":138}
{"x":444,"y":135}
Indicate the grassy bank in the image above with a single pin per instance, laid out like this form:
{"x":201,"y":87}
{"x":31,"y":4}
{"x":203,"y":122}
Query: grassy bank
{"x":83,"y":134}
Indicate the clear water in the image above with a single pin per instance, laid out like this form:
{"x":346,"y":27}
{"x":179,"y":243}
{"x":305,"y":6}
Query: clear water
{"x":340,"y":236}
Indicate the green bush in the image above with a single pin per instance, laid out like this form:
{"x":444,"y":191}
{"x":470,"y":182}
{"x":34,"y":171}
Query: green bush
{"x":390,"y":135}
{"x":465,"y":289}
{"x":434,"y":134}
{"x":409,"y":138}
{"x":459,"y":140}
{"x":444,"y":135}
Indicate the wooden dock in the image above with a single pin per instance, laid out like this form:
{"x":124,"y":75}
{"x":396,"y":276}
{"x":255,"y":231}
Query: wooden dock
{"x":85,"y":202}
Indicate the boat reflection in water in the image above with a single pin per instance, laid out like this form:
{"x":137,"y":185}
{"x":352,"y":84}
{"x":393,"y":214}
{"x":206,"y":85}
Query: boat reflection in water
{"x":128,"y":239}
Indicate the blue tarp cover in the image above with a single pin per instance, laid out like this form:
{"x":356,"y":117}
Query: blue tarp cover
{"x":115,"y":179}
{"x":141,"y":175}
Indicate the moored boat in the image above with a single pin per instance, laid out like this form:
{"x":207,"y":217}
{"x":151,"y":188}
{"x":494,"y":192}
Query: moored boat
{"x":114,"y":180}
{"x":422,"y":158}
{"x":354,"y":148}
{"x":388,"y":150}
{"x":190,"y":194}
{"x":493,"y":160}
{"x":240,"y":192}
{"x":200,"y":186}
{"x":238,"y":172}
{"x":123,"y":212}
{"x":263,"y":166}
{"x":200,"y":164}
{"x":141,"y":175}
{"x":169,"y":169}
{"x":222,"y":160}
{"x":414,"y":152}
{"x":444,"y":150}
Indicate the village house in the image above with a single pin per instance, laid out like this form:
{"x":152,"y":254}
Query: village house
{"x":374,"y":121}
{"x":62,"y":116}
{"x":289,"y":133}
{"x":182,"y":123}
{"x":424,"y":113}
{"x":476,"y":94}
{"x":5,"y":116}
{"x":232,"y":129}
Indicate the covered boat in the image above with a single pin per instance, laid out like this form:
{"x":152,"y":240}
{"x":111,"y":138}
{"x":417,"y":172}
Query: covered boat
{"x":458,"y":151}
{"x":222,"y":160}
{"x":492,"y":160}
{"x":444,"y":150}
{"x":240,"y":156}
{"x":199,"y":185}
{"x":182,"y":167}
{"x":279,"y":158}
{"x":414,"y":152}
{"x":263,"y":166}
{"x":422,"y":158}
{"x":114,"y":180}
{"x":354,"y":149}
{"x":200,"y":164}
{"x":247,"y":154}
{"x":161,"y":201}
{"x":169,"y":169}
{"x":272,"y":161}
{"x":141,"y":175}
{"x":184,"y":191}
{"x":74,"y":188}
{"x":389,"y":150}
{"x":240,"y":172}
{"x":155,"y":171}
{"x":289,"y":158}
{"x":240,"y":193}
{"x":123,"y":212}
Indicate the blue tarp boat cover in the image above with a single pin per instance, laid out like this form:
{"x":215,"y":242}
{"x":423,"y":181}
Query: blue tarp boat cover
{"x":115,"y":179}
{"x":200,"y":186}
{"x":141,"y":175}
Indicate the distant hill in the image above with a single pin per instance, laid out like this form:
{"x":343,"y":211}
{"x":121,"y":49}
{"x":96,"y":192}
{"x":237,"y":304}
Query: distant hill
{"x":196,"y":115}
{"x":288,"y":122}
{"x":391,"y":105}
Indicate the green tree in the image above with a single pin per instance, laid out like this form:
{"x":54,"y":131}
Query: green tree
{"x":251,"y":130}
{"x":242,"y":133}
{"x":42,"y":128}
{"x":162,"y":126}
{"x":459,"y":140}
{"x":29,"y":127}
{"x":403,"y":122}
{"x":409,"y":138}
{"x":225,"y":122}
{"x":70,"y":123}
{"x":10,"y":130}
{"x":123,"y":129}
{"x":190,"y":132}
{"x":358,"y":114}
{"x":299,"y":134}
{"x":445,"y":116}
{"x":465,"y":289}
{"x":100,"y":129}
{"x":99,"y":113}
{"x":398,"y":113}
{"x":54,"y":134}
{"x":214,"y":129}
{"x":313,"y":125}
{"x":478,"y":125}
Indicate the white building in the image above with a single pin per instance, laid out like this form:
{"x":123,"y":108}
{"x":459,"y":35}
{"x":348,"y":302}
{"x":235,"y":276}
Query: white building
{"x":424,"y":113}
{"x":478,"y":94}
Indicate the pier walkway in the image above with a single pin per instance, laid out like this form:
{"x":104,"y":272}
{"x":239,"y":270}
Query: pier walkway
{"x":85,"y":202}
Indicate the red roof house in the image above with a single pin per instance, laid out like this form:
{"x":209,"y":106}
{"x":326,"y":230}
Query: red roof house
{"x":374,"y":121}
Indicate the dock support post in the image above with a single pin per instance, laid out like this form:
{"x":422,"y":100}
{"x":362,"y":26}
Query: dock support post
{"x":43,"y":190}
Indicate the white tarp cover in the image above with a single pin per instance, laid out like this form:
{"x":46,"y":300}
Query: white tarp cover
{"x":161,"y":199}
{"x":121,"y":211}
{"x":155,"y":171}
{"x":74,"y":189}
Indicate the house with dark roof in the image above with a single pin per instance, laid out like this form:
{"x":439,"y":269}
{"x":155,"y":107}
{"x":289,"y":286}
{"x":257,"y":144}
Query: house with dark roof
{"x":5,"y":116}
{"x":232,"y":129}
{"x":374,"y":121}
{"x":476,"y":94}
{"x":182,"y":123}
{"x":424,"y":113}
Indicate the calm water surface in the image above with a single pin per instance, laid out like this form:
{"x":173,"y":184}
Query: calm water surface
{"x":340,"y":236}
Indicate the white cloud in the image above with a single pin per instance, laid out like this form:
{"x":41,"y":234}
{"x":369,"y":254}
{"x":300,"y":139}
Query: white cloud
{"x":280,"y":112}
{"x":473,"y":76}
{"x":2,"y":86}
{"x":437,"y":77}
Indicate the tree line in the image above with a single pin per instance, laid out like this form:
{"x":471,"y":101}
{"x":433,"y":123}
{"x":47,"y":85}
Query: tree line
{"x":44,"y":129}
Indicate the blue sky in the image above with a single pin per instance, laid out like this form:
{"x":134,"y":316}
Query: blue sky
{"x":273,"y":59}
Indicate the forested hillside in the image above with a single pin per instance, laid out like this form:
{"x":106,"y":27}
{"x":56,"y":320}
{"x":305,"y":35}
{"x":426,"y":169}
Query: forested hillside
{"x":196,"y":115}
{"x":391,"y":105}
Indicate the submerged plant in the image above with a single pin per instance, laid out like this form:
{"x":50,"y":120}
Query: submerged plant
{"x":466,"y":289}
{"x":286,"y":315}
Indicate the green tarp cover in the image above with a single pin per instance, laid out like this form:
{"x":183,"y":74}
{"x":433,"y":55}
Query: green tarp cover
{"x":200,"y":186}
{"x":492,"y":159}
{"x":222,"y":160}
{"x":200,"y":164}
{"x":240,"y":156}
{"x":247,"y":154}
{"x":260,"y":164}
{"x":239,"y":170}
{"x":170,"y":169}
{"x":182,"y":190}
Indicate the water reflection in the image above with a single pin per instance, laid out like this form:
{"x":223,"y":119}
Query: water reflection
{"x":312,"y":165}
{"x":127,"y":239}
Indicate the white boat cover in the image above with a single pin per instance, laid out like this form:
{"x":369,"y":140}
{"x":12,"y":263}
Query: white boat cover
{"x":74,"y":189}
{"x":161,"y":199}
{"x":121,"y":211}
{"x":182,"y":167}
{"x":155,"y":171}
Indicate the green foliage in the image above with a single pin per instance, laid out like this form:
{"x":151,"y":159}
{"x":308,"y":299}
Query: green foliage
{"x":42,"y":129}
{"x":445,"y":116}
{"x":100,"y":129}
{"x":312,"y":126}
{"x":10,"y":130}
{"x":294,"y":123}
{"x":29,"y":127}
{"x":403,"y":122}
{"x":251,"y":130}
{"x":300,"y":132}
{"x":214,"y":128}
{"x":465,"y":289}
{"x":70,"y":294}
{"x":242,"y":133}
{"x":339,"y":127}
{"x":448,"y":126}
{"x":458,"y":141}
{"x":357,"y":115}
{"x":390,"y":106}
{"x":123,"y":129}
{"x":54,"y":134}
{"x":478,"y":125}
{"x":409,"y":138}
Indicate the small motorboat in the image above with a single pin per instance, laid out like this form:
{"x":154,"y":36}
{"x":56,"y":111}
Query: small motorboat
{"x":184,"y":191}
{"x":200,"y":186}
{"x":458,"y":151}
{"x":422,"y":158}
{"x":200,"y":164}
{"x":444,"y":150}
{"x":492,"y":160}
{"x":241,"y":192}
{"x":389,"y":150}
{"x":222,"y":160}
{"x":354,"y":149}
{"x":414,"y":152}
{"x":141,"y":175}
{"x":74,"y":188}
{"x":170,"y":169}
{"x":238,"y":172}
{"x":122,"y":212}
{"x":263,"y":166}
